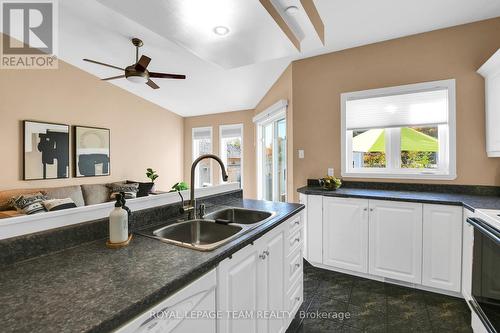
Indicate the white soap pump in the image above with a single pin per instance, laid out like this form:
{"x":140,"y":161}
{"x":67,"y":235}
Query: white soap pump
{"x":118,"y":224}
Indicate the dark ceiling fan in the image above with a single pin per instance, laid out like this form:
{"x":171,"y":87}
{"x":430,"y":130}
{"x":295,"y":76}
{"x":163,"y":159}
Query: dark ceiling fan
{"x":138,"y":72}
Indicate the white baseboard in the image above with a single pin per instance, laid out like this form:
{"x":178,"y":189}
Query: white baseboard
{"x":27,"y":224}
{"x":391,"y":281}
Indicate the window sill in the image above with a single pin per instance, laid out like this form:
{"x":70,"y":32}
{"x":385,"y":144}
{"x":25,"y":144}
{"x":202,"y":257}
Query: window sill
{"x":422,"y":176}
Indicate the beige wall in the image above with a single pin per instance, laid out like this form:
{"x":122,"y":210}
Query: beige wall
{"x":450,"y":53}
{"x":215,"y":120}
{"x":142,"y":134}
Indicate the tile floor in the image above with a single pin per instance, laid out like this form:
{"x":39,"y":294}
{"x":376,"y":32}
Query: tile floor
{"x":375,"y":306}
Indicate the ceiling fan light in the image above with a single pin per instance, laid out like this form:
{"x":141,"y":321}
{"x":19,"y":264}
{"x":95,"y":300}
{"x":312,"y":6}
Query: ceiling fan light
{"x":291,"y":10}
{"x":137,"y":79}
{"x":221,"y":30}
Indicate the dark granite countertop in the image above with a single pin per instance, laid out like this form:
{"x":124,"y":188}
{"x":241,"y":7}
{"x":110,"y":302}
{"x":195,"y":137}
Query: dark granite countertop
{"x":469,"y":201}
{"x":89,"y":288}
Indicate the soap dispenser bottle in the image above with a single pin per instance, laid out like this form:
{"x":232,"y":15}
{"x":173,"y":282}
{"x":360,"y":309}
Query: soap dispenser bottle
{"x":118,"y":222}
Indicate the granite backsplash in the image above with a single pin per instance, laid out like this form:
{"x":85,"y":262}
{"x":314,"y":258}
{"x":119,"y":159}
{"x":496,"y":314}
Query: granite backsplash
{"x":436,"y":188}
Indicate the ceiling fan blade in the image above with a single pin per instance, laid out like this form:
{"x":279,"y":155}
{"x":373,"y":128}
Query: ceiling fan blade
{"x":152,"y":84}
{"x":167,"y":76}
{"x":113,"y":77}
{"x":103,"y":64}
{"x":143,"y":63}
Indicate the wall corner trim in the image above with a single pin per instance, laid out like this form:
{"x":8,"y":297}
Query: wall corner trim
{"x":491,"y":66}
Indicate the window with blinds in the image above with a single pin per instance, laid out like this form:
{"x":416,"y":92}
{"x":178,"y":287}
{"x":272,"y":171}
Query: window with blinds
{"x":231,"y":151}
{"x":400,"y":132}
{"x":201,"y":145}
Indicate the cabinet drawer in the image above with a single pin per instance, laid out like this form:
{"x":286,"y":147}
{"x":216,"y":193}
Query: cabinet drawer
{"x":295,"y":297}
{"x":295,"y":223}
{"x":295,"y":241}
{"x":294,"y":268}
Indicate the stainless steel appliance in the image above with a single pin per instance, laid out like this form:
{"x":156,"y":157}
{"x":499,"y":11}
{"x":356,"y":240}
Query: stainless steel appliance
{"x":485,"y":300}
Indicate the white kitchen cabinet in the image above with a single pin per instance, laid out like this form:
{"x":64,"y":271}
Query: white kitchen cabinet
{"x":467,"y":254}
{"x":395,"y":240}
{"x":303,"y":200}
{"x":272,"y":274}
{"x":257,"y":278}
{"x":314,"y":229}
{"x":172,"y":314}
{"x":237,"y":290}
{"x":491,"y":72}
{"x":442,"y":244}
{"x":345,"y":233}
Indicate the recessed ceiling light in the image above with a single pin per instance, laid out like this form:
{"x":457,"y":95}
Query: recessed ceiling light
{"x":221,"y":30}
{"x":291,"y":10}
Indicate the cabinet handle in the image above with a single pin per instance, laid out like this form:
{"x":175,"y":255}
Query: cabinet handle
{"x":297,"y":298}
{"x":262,"y":256}
{"x":365,"y":209}
{"x":297,"y":239}
{"x":371,"y":209}
{"x":297,"y":222}
{"x":266,"y":252}
{"x":297,"y":265}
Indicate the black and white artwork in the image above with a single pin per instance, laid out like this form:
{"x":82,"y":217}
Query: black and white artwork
{"x":46,"y":150}
{"x":92,"y":156}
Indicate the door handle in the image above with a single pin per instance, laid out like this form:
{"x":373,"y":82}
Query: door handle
{"x":264,"y":254}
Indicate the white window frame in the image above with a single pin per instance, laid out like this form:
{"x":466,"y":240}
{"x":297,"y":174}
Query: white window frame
{"x":447,"y":137}
{"x":275,"y":112}
{"x":194,"y":156}
{"x":240,"y":127}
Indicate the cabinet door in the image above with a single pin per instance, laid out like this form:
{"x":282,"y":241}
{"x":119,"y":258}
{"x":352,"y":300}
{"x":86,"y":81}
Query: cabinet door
{"x":271,"y":274}
{"x":345,"y":236}
{"x":442,"y":247}
{"x":314,"y":228}
{"x":303,"y":200}
{"x":395,"y":240}
{"x":493,"y":114}
{"x":467,"y":253}
{"x":238,"y":286}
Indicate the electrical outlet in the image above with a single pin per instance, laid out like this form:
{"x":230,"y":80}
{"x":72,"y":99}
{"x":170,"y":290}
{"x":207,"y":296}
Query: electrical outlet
{"x":301,"y":153}
{"x":331,"y":172}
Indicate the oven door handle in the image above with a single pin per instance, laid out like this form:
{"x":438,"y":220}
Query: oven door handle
{"x":485,"y":229}
{"x":486,"y":323}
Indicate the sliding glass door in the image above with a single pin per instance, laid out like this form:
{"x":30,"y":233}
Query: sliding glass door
{"x":272,"y":159}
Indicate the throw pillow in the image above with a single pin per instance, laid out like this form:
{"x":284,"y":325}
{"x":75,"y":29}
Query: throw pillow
{"x":130,"y":190}
{"x":144,"y":188}
{"x":29,"y":203}
{"x":52,"y":205}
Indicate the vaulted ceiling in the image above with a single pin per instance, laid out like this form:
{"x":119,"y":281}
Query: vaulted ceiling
{"x":233,"y":72}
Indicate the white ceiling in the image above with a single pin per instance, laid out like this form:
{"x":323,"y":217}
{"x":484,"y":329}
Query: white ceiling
{"x":89,"y":29}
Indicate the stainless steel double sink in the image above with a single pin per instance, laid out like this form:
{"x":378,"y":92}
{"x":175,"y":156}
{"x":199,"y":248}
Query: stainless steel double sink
{"x":214,"y":230}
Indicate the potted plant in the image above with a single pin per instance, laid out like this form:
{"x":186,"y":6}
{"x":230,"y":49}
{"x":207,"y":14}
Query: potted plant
{"x":151,"y":174}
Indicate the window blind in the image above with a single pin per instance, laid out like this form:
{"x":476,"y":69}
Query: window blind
{"x":401,"y":110}
{"x":202,"y":133}
{"x":228,"y":131}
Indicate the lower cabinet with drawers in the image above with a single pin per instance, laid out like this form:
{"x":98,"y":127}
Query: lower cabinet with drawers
{"x":413,"y":243}
{"x":263,"y":282}
{"x":258,"y":289}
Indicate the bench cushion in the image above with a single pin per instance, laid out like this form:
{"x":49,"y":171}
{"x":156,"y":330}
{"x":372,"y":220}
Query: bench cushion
{"x":74,"y":192}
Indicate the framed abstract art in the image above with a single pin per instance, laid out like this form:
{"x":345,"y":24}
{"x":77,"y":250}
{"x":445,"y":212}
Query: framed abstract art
{"x":91,"y":151}
{"x":46,"y":150}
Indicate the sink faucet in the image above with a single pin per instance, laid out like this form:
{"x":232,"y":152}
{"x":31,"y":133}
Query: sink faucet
{"x":191,"y":207}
